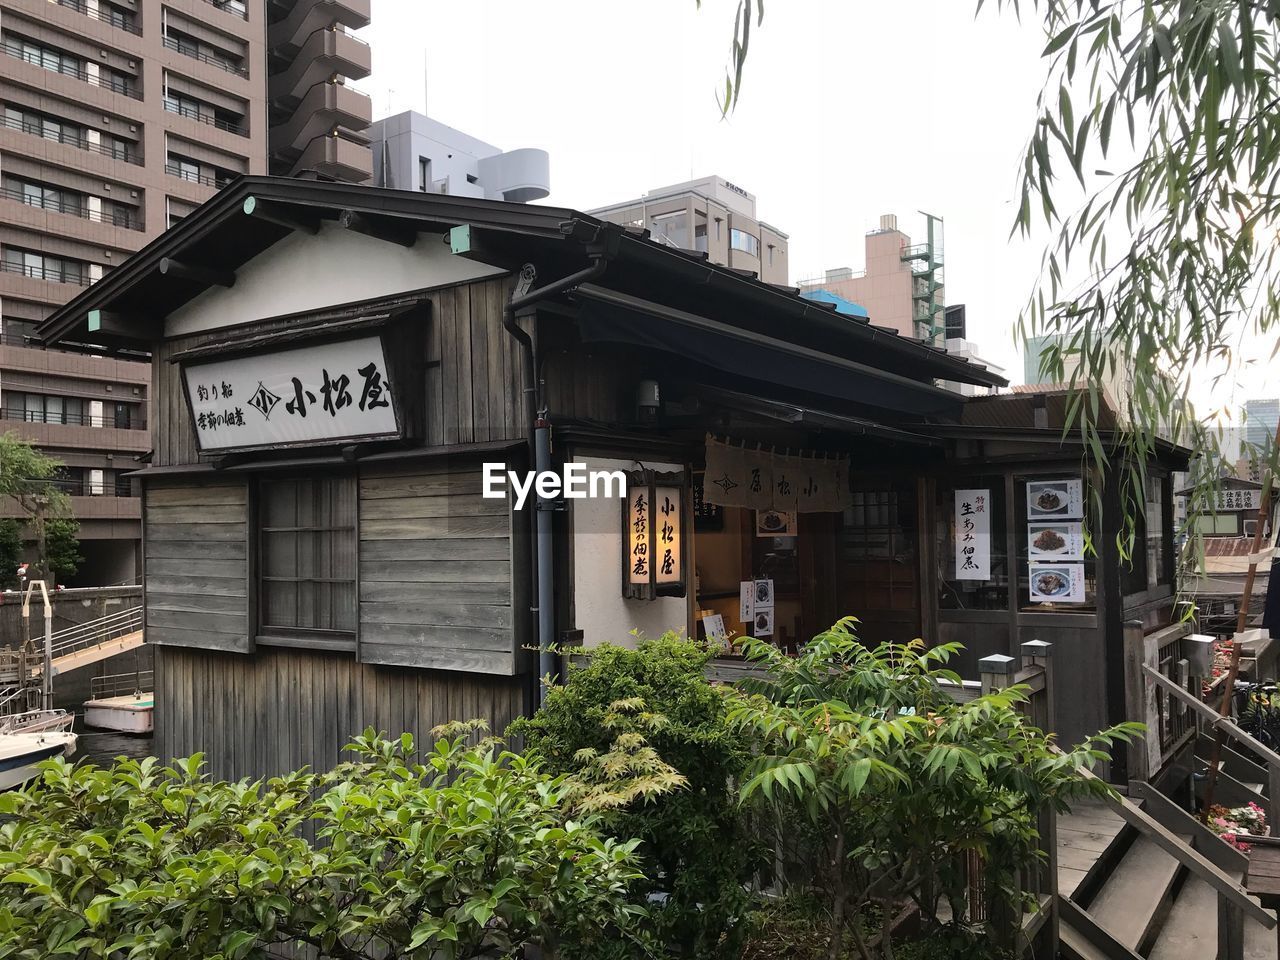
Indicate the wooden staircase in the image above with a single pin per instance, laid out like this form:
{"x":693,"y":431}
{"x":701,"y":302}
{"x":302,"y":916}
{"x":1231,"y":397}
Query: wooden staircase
{"x":1135,"y":886}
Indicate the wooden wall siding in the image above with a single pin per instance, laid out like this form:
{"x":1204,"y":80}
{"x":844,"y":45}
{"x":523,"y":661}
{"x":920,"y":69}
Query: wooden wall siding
{"x":589,"y":386}
{"x":196,"y":584}
{"x":476,"y":370}
{"x":474,"y":380}
{"x":282,"y":709}
{"x":438,"y":569}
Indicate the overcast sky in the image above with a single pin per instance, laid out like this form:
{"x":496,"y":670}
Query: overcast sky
{"x":850,"y":109}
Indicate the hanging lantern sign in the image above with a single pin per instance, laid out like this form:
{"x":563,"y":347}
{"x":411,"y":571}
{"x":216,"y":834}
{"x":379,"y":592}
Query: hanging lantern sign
{"x":653,"y":528}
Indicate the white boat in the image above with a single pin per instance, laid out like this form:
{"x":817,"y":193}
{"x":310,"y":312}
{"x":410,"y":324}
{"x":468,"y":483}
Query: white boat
{"x":28,"y":738}
{"x":126,"y":714}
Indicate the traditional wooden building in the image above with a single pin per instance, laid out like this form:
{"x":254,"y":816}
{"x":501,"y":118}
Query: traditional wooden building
{"x":334,"y":367}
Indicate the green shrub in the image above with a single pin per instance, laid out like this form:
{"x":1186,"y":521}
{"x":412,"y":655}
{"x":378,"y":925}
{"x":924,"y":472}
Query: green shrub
{"x":465,"y":852}
{"x":695,"y":848}
{"x":897,"y":782}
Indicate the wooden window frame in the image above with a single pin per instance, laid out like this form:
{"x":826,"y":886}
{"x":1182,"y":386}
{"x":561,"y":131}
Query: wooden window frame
{"x":304,"y":637}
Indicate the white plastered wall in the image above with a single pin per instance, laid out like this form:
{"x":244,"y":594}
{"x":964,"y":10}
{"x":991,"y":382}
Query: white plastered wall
{"x":600,"y":611}
{"x":321,"y":271}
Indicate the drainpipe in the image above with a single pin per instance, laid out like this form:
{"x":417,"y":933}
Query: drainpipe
{"x":540,"y":438}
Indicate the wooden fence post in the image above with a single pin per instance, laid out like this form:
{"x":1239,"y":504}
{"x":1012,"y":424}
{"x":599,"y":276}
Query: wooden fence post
{"x":1136,"y":692}
{"x":1038,"y":653}
{"x":996,"y":671}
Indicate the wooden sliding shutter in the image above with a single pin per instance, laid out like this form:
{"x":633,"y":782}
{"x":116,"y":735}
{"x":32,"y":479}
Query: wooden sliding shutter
{"x":443,"y":572}
{"x":196,"y":585}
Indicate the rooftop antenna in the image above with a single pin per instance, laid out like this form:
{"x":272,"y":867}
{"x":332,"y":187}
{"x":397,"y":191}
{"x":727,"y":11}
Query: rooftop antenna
{"x":426,"y":88}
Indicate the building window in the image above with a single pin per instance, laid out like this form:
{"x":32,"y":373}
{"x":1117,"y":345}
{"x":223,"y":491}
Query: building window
{"x":672,"y":229}
{"x":746,"y":242}
{"x":424,"y":174}
{"x":876,"y":551}
{"x":307,"y":549}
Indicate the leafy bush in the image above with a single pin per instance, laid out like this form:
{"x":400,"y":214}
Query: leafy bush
{"x":695,"y":848}
{"x":468,"y":851}
{"x":897,"y":783}
{"x":10,"y":553}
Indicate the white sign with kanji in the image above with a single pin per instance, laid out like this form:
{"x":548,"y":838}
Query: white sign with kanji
{"x":973,"y":534}
{"x":315,"y":394}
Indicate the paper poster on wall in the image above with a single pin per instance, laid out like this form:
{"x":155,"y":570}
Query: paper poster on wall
{"x":1055,"y":541}
{"x":973,"y":534}
{"x":713,"y":624}
{"x":746,"y":601}
{"x":776,"y":523}
{"x":762,"y":598}
{"x":1055,"y":500}
{"x":1057,"y":583}
{"x":763,"y":623}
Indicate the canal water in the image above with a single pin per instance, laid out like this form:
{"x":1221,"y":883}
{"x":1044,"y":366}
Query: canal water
{"x":103,"y":746}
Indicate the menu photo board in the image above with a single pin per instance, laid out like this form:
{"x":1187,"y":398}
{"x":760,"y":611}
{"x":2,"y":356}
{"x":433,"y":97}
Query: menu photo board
{"x":1055,"y":535}
{"x":1055,"y":540}
{"x":317,"y":394}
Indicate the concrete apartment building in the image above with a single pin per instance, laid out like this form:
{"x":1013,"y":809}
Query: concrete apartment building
{"x":119,"y":119}
{"x":713,"y":216}
{"x":413,"y":152}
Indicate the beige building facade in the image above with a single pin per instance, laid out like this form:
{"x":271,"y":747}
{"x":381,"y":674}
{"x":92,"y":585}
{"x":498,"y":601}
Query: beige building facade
{"x":117,"y":119}
{"x":713,"y":216}
{"x":896,"y":286}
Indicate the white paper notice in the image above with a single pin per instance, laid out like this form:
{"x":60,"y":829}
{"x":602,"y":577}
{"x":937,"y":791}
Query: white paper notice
{"x":713,"y":623}
{"x":973,"y":534}
{"x":746,"y":600}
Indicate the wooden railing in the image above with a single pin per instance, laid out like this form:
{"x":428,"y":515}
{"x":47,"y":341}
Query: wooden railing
{"x":1163,"y":673}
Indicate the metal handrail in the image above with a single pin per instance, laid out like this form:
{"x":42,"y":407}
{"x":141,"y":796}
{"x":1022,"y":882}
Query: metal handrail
{"x":237,"y":128}
{"x":95,"y":632}
{"x":45,"y":273}
{"x":116,"y":84}
{"x":228,"y":65}
{"x":225,"y":6}
{"x":72,"y":419}
{"x":96,"y":14}
{"x":122,"y":684}
{"x":118,"y":217}
{"x":34,"y":127}
{"x":209,"y":180}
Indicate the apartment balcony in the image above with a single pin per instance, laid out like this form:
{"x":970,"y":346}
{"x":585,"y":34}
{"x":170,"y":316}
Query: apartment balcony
{"x":337,"y":156}
{"x":322,"y":55}
{"x":112,"y":151}
{"x":105,"y":15}
{"x":47,"y":275}
{"x":129,"y":378}
{"x":238,"y":127}
{"x":125,"y":86}
{"x":290,"y":21}
{"x":324,"y":108}
{"x":77,"y":436}
{"x":106,"y":507}
{"x":116,"y":217}
{"x":222,"y":63}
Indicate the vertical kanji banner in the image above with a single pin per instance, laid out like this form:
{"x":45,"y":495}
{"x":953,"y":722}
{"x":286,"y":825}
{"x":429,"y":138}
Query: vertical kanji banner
{"x":973,"y":534}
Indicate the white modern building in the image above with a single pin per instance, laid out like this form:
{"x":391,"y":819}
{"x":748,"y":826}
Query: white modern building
{"x":713,"y":216}
{"x":413,"y":152}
